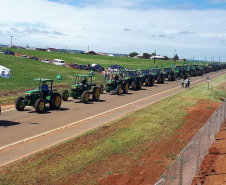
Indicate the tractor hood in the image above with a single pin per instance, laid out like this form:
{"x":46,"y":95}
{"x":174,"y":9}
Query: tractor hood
{"x":76,"y":86}
{"x":31,"y":92}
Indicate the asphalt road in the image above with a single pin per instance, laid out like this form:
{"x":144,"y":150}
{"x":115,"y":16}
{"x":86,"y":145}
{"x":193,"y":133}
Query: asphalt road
{"x":26,"y":132}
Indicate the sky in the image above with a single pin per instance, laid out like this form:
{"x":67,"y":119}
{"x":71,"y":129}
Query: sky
{"x":192,"y":29}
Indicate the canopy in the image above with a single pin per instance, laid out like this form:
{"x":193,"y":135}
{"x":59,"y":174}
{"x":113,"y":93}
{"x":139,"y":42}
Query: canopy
{"x":4,"y":72}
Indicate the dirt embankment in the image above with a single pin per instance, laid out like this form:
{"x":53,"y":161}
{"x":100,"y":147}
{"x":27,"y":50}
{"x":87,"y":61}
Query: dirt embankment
{"x":213,"y":168}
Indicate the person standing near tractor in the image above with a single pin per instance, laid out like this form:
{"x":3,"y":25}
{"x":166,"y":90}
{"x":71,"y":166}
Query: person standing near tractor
{"x":189,"y":82}
{"x":186,"y":83}
{"x":182,"y":82}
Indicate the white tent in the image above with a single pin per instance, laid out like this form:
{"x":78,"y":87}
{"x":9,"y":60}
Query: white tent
{"x":4,"y":72}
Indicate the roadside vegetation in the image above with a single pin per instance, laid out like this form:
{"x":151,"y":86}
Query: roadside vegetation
{"x":128,"y":138}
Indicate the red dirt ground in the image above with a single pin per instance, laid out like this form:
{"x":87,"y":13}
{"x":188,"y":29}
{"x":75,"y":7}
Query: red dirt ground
{"x":213,"y":169}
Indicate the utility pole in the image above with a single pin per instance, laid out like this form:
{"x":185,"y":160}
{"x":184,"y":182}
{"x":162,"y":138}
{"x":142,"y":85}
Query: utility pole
{"x":11,"y":41}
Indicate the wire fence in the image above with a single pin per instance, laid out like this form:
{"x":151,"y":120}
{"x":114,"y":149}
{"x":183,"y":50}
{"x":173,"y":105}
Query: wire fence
{"x":186,"y":166}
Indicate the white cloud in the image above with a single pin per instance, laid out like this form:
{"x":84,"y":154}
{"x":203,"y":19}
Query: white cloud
{"x":112,"y":28}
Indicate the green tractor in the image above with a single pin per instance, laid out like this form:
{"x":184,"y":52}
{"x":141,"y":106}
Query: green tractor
{"x":38,"y":98}
{"x":198,"y":69}
{"x":82,"y":89}
{"x":158,"y":75}
{"x":147,"y":78}
{"x":133,"y":78}
{"x":117,"y":84}
{"x":181,"y":72}
{"x":169,"y":73}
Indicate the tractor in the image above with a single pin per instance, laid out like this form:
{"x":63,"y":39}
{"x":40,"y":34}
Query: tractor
{"x":133,"y":78}
{"x":147,"y":78}
{"x":169,"y":73}
{"x":38,"y":98}
{"x":117,"y":84}
{"x":181,"y":72}
{"x":158,"y":75}
{"x":82,"y":89}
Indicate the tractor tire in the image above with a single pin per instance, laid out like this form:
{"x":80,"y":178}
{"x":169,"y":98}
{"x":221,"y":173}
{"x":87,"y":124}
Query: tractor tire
{"x":119,"y":90}
{"x":174,"y":77}
{"x":140,"y":84}
{"x":169,"y":78}
{"x":126,"y":88}
{"x":55,"y":101}
{"x":159,"y":79}
{"x":65,"y":95}
{"x":85,"y":97}
{"x":162,"y":79}
{"x":134,"y":86}
{"x":146,"y":83}
{"x":101,"y":87}
{"x":40,"y":105}
{"x":18,"y":103}
{"x":152,"y":82}
{"x":96,"y":93}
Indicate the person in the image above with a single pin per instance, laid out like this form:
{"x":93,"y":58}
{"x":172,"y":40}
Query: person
{"x":116,"y":79}
{"x":182,"y":82}
{"x":105,"y":75}
{"x":45,"y":89}
{"x":84,"y":83}
{"x":186,"y":83}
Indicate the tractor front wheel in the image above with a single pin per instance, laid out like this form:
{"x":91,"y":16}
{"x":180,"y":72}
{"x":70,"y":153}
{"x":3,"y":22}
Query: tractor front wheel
{"x":65,"y":95}
{"x":85,"y":97}
{"x":96,"y":93}
{"x":19,"y":103}
{"x":119,"y":90}
{"x":40,"y":105}
{"x":55,"y":101}
{"x":101,"y":89}
{"x":126,"y":88}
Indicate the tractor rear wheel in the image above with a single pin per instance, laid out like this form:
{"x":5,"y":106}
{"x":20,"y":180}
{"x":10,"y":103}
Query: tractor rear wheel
{"x":119,"y":90}
{"x":19,"y":106}
{"x":65,"y":95}
{"x":101,"y":89}
{"x":40,"y":105}
{"x":152,"y":81}
{"x":96,"y":93}
{"x":85,"y":97}
{"x":126,"y":88}
{"x":55,"y":101}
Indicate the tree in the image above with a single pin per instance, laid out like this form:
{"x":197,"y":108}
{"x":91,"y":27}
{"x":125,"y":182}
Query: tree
{"x":146,"y":55}
{"x":153,"y":54}
{"x":133,"y":54}
{"x":176,"y":57}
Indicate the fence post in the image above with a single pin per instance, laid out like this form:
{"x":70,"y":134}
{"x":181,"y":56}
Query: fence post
{"x":181,"y":166}
{"x":197,"y":154}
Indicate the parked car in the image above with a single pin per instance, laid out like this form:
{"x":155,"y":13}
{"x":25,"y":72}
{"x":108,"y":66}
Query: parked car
{"x":2,"y":52}
{"x":46,"y":61}
{"x":59,"y":62}
{"x":98,"y":66}
{"x":34,"y":58}
{"x":9,"y":52}
{"x":72,"y":65}
{"x":84,"y":67}
{"x":24,"y":56}
{"x":95,"y":68}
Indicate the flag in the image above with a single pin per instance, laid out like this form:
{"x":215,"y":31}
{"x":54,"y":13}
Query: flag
{"x":4,"y":72}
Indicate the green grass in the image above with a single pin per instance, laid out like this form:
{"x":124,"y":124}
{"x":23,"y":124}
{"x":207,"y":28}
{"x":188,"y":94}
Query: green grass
{"x":143,"y":126}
